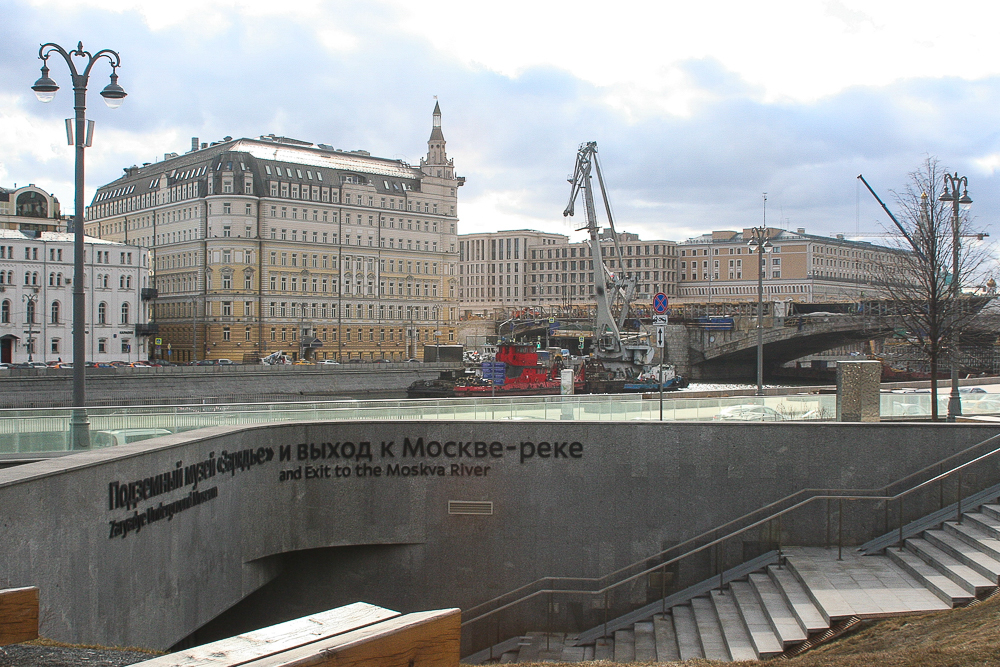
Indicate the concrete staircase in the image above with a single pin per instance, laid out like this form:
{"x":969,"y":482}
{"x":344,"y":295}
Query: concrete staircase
{"x":785,"y":608}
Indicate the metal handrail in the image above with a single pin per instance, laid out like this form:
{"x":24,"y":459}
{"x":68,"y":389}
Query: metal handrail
{"x":940,"y":463}
{"x":812,"y":496}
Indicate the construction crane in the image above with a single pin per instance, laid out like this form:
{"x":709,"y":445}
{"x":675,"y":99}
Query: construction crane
{"x":634,"y":353}
{"x":902,"y":230}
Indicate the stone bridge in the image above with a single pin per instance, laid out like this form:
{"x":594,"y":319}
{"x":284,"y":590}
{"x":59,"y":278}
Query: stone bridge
{"x":705,"y":354}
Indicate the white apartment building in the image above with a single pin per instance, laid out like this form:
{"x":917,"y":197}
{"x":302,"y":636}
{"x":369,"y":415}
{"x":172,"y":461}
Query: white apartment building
{"x":36,"y":298}
{"x":30,"y":209}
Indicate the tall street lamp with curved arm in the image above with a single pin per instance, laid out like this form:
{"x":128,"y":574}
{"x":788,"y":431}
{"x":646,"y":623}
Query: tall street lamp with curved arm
{"x":952,"y":183}
{"x":45,"y":89}
{"x":759,"y":243}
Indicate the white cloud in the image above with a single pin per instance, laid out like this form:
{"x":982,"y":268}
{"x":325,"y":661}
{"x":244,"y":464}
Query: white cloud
{"x":697,"y":108}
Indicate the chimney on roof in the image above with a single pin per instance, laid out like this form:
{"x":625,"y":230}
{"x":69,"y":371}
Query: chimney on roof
{"x":194,"y":144}
{"x":800,"y":230}
{"x":204,"y":144}
{"x":227,"y":138}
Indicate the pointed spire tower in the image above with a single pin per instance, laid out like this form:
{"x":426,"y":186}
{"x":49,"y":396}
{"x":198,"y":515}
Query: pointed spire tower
{"x":437,"y":163}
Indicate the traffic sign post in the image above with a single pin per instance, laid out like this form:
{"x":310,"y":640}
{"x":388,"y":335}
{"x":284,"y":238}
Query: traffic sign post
{"x":660,"y":304}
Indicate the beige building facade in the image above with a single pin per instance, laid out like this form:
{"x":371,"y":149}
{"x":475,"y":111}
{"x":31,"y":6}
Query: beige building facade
{"x":269,"y":244}
{"x":720,"y":266}
{"x":517,"y":269}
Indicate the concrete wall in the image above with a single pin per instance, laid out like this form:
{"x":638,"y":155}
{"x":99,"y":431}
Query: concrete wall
{"x":623,"y":493}
{"x":131,"y":386}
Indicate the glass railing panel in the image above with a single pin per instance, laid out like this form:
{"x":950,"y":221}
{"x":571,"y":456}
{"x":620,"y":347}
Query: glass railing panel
{"x":46,"y":429}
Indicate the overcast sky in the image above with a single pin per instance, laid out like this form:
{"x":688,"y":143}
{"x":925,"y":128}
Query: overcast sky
{"x":697,"y":108}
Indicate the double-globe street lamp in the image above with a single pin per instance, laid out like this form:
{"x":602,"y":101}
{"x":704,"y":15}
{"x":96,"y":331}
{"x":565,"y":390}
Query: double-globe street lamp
{"x":759,"y":242}
{"x":952,"y":183}
{"x":113,"y":94}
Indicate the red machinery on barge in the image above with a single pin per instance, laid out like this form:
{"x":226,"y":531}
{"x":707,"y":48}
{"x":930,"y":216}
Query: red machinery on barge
{"x":519,"y":369}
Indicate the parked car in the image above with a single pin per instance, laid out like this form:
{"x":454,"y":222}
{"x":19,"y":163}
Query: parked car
{"x":225,"y":362}
{"x":328,"y":362}
{"x":126,"y":435}
{"x":989,"y":405}
{"x":749,"y":413}
{"x":413,"y":361}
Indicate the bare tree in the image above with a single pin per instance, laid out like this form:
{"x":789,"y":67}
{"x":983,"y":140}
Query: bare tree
{"x":917,"y":280}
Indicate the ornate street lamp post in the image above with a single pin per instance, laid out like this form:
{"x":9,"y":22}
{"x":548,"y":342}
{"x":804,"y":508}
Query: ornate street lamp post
{"x":113,"y":94}
{"x":952,"y":183}
{"x":758,"y":241}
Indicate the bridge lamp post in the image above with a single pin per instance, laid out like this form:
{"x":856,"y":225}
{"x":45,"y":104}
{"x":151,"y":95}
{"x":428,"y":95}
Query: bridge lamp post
{"x":952,"y":183}
{"x":113,"y":94}
{"x":758,"y":241}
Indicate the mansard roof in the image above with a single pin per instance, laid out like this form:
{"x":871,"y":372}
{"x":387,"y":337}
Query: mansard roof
{"x":299,"y":161}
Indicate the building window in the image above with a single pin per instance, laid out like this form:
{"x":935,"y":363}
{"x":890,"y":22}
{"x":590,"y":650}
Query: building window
{"x":55,"y":346}
{"x":225,"y":334}
{"x":227,"y":308}
{"x":102,"y":345}
{"x":5,"y":312}
{"x":102,"y":313}
{"x":125,"y":313}
{"x":55,"y":312}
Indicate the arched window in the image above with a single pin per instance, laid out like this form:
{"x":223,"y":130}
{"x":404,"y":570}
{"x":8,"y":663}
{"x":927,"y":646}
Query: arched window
{"x":32,"y":205}
{"x":27,"y":277}
{"x":52,"y":279}
{"x":125,"y":313}
{"x":55,"y":312}
{"x":5,"y":312}
{"x":102,"y":313}
{"x":59,"y":279}
{"x":29,"y":312}
{"x":34,"y":278}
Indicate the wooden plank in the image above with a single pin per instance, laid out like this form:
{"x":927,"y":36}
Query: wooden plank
{"x":273,"y":639}
{"x":426,"y":638}
{"x":18,"y":615}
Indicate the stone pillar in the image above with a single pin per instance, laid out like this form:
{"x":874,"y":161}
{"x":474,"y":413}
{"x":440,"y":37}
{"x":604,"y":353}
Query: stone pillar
{"x":566,"y":377}
{"x":858,"y":391}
